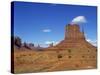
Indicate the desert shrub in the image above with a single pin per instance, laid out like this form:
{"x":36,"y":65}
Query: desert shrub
{"x":69,"y":50}
{"x":59,"y":56}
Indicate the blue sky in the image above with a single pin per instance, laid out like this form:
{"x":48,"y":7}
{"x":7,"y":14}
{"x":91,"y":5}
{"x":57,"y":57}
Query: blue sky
{"x":41,"y":23}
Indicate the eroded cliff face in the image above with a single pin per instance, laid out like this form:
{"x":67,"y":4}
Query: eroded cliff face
{"x":74,"y":38}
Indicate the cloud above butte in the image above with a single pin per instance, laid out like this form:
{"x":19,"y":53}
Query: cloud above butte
{"x":79,"y":20}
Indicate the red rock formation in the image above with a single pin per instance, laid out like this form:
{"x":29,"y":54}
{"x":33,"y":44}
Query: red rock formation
{"x":74,"y":52}
{"x":74,"y":38}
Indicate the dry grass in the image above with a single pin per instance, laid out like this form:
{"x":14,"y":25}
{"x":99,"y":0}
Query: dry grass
{"x":44,"y":61}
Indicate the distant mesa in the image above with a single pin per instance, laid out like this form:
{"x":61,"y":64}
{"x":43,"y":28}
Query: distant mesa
{"x":18,"y":45}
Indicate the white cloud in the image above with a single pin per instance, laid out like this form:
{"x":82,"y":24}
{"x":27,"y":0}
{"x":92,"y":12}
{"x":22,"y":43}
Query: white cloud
{"x":50,"y":42}
{"x":79,"y":19}
{"x":46,"y":30}
{"x":94,"y":43}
